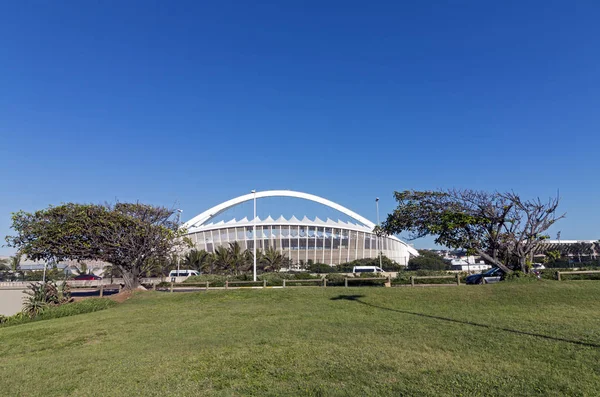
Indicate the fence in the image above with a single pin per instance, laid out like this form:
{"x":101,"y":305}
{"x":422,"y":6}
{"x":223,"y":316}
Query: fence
{"x":558,"y":274}
{"x":413,"y":278}
{"x":388,"y":280}
{"x":324,"y":280}
{"x":227,"y":283}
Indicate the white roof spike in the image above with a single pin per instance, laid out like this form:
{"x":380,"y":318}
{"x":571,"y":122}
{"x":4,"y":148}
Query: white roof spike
{"x":293,"y":219}
{"x":318,"y":220}
{"x":281,"y":219}
{"x":231,"y":221}
{"x":306,"y":220}
{"x":244,"y":219}
{"x":269,"y":219}
{"x":331,"y":222}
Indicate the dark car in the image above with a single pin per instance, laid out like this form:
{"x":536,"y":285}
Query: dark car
{"x":87,"y":277}
{"x":493,"y":275}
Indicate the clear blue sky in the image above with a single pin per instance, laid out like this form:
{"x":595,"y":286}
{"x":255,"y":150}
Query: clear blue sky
{"x":189,"y":104}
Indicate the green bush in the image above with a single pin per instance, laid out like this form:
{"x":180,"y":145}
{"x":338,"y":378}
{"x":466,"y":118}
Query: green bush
{"x":321,"y":268}
{"x":65,"y":310}
{"x":520,"y":277}
{"x":334,"y":279}
{"x":428,"y":260}
{"x":403,"y":277}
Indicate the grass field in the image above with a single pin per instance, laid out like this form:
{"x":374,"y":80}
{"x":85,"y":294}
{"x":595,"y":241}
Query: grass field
{"x":505,"y":339}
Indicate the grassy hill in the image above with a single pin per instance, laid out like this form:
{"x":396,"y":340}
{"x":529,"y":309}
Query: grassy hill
{"x":505,"y":339}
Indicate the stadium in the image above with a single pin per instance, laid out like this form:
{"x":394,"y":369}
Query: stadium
{"x":303,"y":239}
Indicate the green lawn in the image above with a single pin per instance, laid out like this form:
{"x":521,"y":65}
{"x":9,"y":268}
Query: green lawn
{"x":504,"y":339}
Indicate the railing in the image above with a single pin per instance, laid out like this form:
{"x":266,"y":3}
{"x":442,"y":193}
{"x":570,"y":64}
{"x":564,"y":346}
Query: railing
{"x":316,"y":280}
{"x":558,"y":274}
{"x":227,"y":283}
{"x":388,"y":280}
{"x":413,"y":278}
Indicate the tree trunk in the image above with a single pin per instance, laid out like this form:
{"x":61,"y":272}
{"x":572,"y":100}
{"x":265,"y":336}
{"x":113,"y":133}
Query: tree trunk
{"x":523,"y":264}
{"x":496,"y":262}
{"x":130,"y":278}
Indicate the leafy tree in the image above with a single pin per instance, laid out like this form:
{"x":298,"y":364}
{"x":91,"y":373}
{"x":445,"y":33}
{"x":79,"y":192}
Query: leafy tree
{"x":272,"y":260}
{"x":199,"y":260}
{"x":126,"y":235}
{"x":496,"y":226}
{"x":427,"y":260}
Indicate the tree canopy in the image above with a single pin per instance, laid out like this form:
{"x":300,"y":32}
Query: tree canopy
{"x":500,"y":227}
{"x":130,"y":236}
{"x":427,"y":260}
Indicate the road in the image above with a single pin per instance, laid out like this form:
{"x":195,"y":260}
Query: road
{"x":11,"y":301}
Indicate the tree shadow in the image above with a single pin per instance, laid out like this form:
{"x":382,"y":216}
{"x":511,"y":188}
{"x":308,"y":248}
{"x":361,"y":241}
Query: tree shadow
{"x":356,"y":298}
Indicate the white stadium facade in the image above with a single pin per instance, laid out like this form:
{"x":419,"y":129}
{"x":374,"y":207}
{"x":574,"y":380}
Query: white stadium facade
{"x":301,"y":239}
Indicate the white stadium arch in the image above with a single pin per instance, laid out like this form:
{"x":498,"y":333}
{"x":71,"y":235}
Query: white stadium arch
{"x":302,"y":240}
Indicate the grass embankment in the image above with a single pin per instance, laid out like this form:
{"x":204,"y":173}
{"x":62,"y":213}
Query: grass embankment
{"x":65,"y":310}
{"x":503,"y":339}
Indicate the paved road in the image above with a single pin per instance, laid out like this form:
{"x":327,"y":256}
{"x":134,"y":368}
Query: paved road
{"x":11,"y":301}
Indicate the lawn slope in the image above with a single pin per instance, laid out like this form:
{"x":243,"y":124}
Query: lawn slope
{"x":505,"y":339}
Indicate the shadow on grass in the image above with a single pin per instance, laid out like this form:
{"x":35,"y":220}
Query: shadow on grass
{"x":356,"y":298}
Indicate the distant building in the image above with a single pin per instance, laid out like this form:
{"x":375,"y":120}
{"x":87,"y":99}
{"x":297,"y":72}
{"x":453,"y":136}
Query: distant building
{"x":468,"y":266}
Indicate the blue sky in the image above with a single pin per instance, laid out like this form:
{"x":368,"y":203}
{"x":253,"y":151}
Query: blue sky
{"x":189,"y":104}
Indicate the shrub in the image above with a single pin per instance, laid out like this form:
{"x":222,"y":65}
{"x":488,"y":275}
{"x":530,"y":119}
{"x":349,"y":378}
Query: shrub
{"x":520,"y":277}
{"x":65,"y":310}
{"x":334,"y":279}
{"x":404,"y":277}
{"x":321,"y":268}
{"x":43,"y":295}
{"x":427,"y":260}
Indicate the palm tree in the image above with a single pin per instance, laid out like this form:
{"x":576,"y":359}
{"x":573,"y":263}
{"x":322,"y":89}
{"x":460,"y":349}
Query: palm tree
{"x":198,"y":260}
{"x":4,"y":264}
{"x":237,"y":258}
{"x":222,"y":259}
{"x":112,"y":271}
{"x":272,"y":260}
{"x":82,"y":269}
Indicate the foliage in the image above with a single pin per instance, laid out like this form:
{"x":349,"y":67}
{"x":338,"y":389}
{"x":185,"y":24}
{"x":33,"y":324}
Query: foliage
{"x":427,"y":260}
{"x":273,"y":279}
{"x":65,"y":310}
{"x":500,"y":227}
{"x":127,"y":235}
{"x":43,"y":295}
{"x":520,"y":277}
{"x":322,"y":268}
{"x":11,"y":267}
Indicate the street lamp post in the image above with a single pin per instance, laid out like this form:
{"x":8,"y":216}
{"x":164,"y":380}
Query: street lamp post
{"x":178,"y":256}
{"x":254,"y":235}
{"x":378,"y":243}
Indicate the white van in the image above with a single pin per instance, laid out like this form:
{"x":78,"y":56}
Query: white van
{"x":367,"y":269}
{"x":183,"y":273}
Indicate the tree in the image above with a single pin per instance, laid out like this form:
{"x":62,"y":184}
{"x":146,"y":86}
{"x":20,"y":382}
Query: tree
{"x":427,"y":260}
{"x":272,"y":260}
{"x":127,"y":235}
{"x":198,"y":260}
{"x":15,"y":263}
{"x":502,"y":228}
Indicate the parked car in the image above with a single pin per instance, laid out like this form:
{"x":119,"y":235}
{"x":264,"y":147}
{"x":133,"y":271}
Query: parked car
{"x":87,"y":277}
{"x":493,"y":275}
{"x":367,"y":269}
{"x":183,"y":273}
{"x":538,"y":266}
